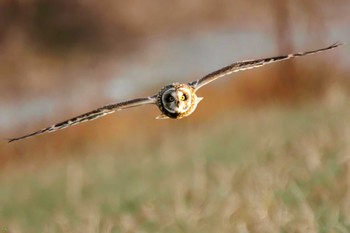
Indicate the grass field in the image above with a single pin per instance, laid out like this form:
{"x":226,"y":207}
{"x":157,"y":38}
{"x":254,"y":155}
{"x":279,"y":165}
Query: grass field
{"x":274,"y":169}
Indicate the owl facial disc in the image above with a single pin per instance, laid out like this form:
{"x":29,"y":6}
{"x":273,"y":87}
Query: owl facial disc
{"x":177,"y":101}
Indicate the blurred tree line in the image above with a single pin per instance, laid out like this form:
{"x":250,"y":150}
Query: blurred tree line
{"x":64,"y":25}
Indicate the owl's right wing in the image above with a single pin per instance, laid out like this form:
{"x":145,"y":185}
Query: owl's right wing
{"x":250,"y":64}
{"x":100,"y":112}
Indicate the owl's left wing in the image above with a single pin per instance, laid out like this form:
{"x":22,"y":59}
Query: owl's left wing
{"x":100,"y":112}
{"x":250,"y":64}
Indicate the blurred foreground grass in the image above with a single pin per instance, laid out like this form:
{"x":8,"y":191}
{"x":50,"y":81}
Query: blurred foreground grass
{"x":273,"y":169}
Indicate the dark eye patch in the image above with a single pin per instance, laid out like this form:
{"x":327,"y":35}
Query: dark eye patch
{"x":169,"y":98}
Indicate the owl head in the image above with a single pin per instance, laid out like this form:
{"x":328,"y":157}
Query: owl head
{"x":177,"y":101}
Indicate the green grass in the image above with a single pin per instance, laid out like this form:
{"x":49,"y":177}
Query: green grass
{"x":270,"y":170}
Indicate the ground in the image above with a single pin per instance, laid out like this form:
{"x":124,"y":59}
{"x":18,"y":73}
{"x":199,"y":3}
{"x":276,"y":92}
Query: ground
{"x":272,"y":169}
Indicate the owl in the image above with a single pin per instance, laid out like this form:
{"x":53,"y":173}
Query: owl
{"x":176,"y":100}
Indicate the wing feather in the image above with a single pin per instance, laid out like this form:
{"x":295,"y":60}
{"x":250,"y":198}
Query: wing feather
{"x":97,"y":113}
{"x":250,"y":64}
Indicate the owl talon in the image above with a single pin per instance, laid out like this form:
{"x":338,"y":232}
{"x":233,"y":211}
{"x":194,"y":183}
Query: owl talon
{"x":162,"y":117}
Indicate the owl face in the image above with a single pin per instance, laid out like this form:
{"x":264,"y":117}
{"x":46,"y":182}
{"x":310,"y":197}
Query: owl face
{"x":177,"y":100}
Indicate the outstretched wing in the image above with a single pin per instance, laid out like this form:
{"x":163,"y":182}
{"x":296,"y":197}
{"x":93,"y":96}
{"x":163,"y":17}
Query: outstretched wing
{"x":245,"y":65}
{"x":100,"y":112}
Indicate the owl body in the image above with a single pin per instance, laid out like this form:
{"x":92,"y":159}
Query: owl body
{"x":177,"y":100}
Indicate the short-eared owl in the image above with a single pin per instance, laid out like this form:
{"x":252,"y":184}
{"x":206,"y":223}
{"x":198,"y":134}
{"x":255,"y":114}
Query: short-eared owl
{"x":176,"y":100}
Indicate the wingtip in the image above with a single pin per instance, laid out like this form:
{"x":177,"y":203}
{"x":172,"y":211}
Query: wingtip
{"x":9,"y":140}
{"x":337,"y":44}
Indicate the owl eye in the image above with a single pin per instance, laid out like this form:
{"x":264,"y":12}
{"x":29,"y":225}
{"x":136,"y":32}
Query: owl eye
{"x":171,"y":99}
{"x":183,"y":97}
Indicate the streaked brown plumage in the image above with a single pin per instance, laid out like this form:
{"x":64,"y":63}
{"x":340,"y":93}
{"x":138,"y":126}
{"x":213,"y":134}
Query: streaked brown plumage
{"x":175,"y":100}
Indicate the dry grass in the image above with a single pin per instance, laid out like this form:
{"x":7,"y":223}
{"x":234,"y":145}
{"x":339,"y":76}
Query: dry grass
{"x":270,"y":170}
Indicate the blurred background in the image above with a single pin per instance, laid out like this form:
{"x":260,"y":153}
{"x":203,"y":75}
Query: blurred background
{"x":266,"y":150}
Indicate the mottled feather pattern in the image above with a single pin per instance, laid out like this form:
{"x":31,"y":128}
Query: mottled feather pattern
{"x":175,"y":108}
{"x":100,"y":112}
{"x":250,"y":64}
{"x":74,"y":121}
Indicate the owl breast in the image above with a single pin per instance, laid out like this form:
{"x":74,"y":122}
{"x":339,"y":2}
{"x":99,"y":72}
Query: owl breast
{"x":177,"y":100}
